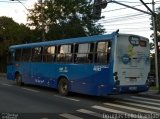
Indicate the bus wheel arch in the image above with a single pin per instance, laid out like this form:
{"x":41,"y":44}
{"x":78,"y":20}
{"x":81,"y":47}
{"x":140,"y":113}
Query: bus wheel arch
{"x":63,"y":86}
{"x":18,"y":78}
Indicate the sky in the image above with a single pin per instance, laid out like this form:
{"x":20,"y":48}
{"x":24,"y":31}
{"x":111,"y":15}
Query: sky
{"x":115,"y":16}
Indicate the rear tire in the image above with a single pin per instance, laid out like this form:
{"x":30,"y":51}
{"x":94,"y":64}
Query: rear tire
{"x":63,"y":86}
{"x":18,"y":79}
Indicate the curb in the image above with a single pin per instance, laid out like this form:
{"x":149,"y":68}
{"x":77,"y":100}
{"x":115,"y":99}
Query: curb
{"x":151,"y":94}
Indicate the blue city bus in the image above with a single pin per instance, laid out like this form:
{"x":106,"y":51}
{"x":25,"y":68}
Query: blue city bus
{"x":94,"y":65}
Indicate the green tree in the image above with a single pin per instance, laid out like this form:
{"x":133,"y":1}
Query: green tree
{"x":152,"y":46}
{"x":152,"y":66}
{"x":11,"y":33}
{"x":64,"y":19}
{"x":158,"y":28}
{"x":158,"y":19}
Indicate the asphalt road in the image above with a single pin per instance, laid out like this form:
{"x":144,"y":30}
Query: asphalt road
{"x":35,"y":102}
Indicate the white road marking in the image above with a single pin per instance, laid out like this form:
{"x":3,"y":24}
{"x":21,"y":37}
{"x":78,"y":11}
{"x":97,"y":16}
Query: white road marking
{"x":36,"y":91}
{"x":114,"y":114}
{"x":67,"y":98}
{"x":140,"y":105}
{"x":113,"y":111}
{"x":107,"y":109}
{"x":90,"y":113}
{"x":69,"y":116}
{"x":129,"y":108}
{"x":133,"y":100}
{"x":149,"y":99}
{"x":5,"y":84}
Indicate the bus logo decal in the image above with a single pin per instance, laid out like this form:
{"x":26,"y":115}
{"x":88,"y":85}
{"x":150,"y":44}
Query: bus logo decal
{"x":134,"y":40}
{"x":39,"y":81}
{"x":63,"y":69}
{"x":126,"y":59}
{"x":99,"y":68}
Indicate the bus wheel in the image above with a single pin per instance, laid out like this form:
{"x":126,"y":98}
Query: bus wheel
{"x":18,"y":79}
{"x":63,"y":86}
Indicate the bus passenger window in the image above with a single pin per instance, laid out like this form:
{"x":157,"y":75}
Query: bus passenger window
{"x":103,"y":52}
{"x":49,"y":54}
{"x":36,"y":54}
{"x":65,"y":53}
{"x":18,"y":55}
{"x":84,"y":53}
{"x":10,"y":57}
{"x":26,"y":54}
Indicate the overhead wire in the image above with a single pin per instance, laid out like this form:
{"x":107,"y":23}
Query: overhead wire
{"x":125,"y":16}
{"x":123,"y":8}
{"x":128,"y":2}
{"x":123,"y":22}
{"x":120,"y":21}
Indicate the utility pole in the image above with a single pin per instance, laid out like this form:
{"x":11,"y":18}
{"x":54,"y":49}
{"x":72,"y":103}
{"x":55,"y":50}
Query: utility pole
{"x":42,"y":20}
{"x":154,"y":18}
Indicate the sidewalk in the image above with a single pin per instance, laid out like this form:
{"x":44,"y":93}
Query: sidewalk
{"x":3,"y":75}
{"x":151,"y":94}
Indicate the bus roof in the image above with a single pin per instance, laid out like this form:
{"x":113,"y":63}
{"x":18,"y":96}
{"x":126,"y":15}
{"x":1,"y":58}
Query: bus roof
{"x":68,"y":41}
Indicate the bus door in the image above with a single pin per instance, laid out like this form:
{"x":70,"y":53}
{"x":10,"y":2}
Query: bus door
{"x":36,"y":65}
{"x":132,"y":63}
{"x":10,"y":65}
{"x":42,"y":66}
{"x":36,"y":75}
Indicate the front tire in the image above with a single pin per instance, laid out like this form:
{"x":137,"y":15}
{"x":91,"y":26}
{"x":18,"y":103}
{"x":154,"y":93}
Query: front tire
{"x":63,"y":86}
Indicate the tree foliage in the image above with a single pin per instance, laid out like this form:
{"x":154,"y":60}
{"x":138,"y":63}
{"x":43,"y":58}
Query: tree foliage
{"x":158,"y":19}
{"x":64,"y":19}
{"x":152,"y":45}
{"x":11,"y":33}
{"x":158,"y":27}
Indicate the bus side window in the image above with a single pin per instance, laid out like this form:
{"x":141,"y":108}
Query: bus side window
{"x":26,"y":54}
{"x":85,"y":53}
{"x":49,"y":53}
{"x":18,"y":55}
{"x":103,"y":52}
{"x":11,"y":57}
{"x":64,"y":53}
{"x":37,"y":54}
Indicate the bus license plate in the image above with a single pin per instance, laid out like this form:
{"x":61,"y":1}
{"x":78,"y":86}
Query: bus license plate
{"x":133,"y":88}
